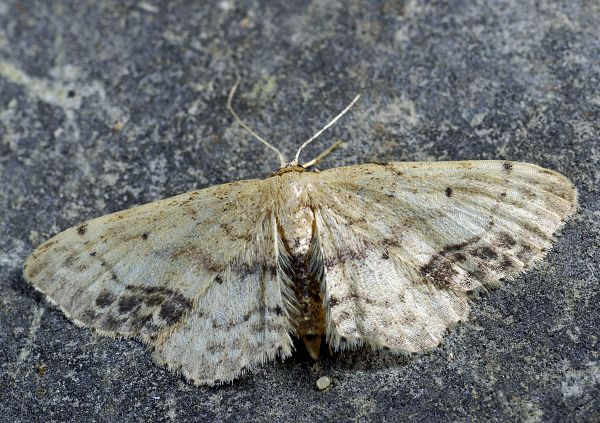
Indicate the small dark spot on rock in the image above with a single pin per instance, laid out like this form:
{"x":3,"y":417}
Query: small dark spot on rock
{"x":71,"y":93}
{"x":93,"y":253}
{"x":144,"y":236}
{"x":333,"y":301}
{"x":448,"y":192}
{"x":218,"y":279}
{"x":385,"y":255}
{"x":507,"y":167}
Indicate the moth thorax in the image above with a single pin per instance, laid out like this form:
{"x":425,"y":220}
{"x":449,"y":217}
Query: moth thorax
{"x":297,"y":232}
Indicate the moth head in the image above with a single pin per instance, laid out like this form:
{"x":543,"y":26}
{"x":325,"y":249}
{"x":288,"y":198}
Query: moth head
{"x":288,"y":168}
{"x":284,"y":165}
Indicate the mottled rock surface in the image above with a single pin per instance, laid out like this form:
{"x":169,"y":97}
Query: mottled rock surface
{"x":105,"y":105}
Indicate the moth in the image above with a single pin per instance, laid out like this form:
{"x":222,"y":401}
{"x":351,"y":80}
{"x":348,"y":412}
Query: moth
{"x":384,"y":255}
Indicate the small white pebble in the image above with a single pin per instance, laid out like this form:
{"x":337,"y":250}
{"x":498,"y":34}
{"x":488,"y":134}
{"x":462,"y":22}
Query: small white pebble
{"x":323,"y":382}
{"x":148,"y":7}
{"x":226,"y":5}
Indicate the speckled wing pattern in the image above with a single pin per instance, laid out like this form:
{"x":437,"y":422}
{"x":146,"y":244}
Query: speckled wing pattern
{"x":202,"y":292}
{"x":217,"y":281}
{"x":403,"y":243}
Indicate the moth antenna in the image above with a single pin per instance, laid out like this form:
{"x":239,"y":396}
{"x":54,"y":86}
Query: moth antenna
{"x":323,"y":154}
{"x":282,"y":161}
{"x":319,"y":132}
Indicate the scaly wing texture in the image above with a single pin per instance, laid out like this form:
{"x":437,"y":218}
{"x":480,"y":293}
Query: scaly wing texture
{"x":403,"y":243}
{"x":194,"y":276}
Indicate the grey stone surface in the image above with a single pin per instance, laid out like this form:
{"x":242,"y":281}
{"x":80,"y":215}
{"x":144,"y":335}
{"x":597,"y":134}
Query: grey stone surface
{"x":104,"y":105}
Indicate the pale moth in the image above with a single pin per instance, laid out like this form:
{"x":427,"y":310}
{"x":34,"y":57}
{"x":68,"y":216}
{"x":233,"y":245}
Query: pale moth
{"x":220,"y":280}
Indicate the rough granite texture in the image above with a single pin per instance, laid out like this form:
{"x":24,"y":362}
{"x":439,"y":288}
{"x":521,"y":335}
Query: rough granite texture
{"x":105,"y":105}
